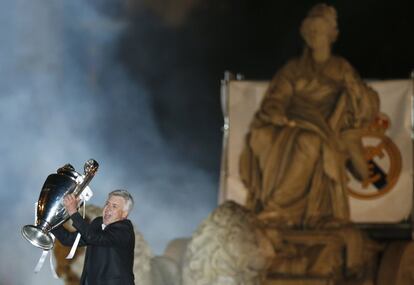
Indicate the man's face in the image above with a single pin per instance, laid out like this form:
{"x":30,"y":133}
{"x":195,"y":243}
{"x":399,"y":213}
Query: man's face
{"x":114,"y":210}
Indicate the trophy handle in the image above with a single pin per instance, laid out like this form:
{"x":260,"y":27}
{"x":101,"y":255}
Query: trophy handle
{"x":90,"y":168}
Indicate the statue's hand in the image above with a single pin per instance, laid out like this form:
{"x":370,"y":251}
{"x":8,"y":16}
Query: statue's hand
{"x":291,"y":123}
{"x":282,"y":120}
{"x":352,"y":85}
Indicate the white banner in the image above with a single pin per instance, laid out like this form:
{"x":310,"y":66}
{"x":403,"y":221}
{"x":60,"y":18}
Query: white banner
{"x":389,"y":196}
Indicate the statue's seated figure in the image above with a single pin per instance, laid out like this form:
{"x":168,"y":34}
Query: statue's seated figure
{"x":305,"y":135}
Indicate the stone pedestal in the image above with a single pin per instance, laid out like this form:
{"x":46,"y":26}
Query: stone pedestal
{"x":397,"y":264}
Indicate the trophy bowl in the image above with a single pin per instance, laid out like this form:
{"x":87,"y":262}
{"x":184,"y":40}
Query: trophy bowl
{"x":50,"y":211}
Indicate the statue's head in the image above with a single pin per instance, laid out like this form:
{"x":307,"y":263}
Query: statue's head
{"x":319,"y":29}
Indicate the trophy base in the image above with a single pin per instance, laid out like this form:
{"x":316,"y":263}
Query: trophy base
{"x":37,"y":237}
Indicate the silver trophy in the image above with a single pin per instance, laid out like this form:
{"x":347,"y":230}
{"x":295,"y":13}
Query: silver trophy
{"x":50,"y":211}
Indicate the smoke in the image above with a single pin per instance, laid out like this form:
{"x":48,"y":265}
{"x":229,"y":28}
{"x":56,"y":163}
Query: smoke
{"x":65,"y":98}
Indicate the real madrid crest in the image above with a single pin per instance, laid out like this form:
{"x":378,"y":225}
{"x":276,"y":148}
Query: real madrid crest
{"x":384,"y":162}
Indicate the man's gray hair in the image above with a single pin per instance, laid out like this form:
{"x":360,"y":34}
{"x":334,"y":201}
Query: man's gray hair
{"x":129,"y":201}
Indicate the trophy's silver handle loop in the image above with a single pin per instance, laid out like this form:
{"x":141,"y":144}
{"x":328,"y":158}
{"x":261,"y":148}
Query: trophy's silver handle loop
{"x":90,"y":168}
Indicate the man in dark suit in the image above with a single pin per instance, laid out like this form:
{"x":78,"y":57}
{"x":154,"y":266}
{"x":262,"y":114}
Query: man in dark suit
{"x":110,"y":240}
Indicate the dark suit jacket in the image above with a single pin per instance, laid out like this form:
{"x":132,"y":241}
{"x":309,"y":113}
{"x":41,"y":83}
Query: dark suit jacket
{"x":109,"y":258}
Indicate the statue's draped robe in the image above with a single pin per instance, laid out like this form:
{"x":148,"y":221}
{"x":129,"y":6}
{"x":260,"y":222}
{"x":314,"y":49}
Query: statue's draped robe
{"x":296,"y":174}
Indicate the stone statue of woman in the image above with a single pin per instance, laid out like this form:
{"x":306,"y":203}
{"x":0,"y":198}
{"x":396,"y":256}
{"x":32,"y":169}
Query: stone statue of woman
{"x":307,"y":132}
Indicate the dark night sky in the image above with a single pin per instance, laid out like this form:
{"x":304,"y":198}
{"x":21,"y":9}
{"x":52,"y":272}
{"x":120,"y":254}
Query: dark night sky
{"x":182,"y":64}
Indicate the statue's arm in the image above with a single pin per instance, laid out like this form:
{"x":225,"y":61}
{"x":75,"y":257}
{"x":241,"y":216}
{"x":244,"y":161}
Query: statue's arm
{"x":276,"y":100}
{"x":364,"y":100}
